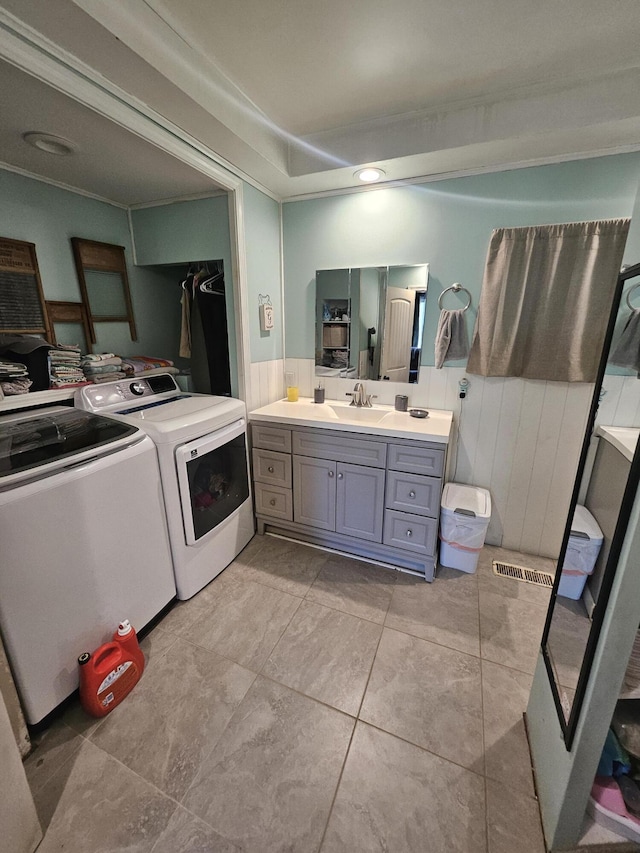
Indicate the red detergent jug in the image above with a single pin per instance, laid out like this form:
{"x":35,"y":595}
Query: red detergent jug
{"x":109,"y":674}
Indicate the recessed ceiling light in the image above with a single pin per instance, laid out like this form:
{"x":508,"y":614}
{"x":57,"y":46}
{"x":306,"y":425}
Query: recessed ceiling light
{"x":51,"y":144}
{"x":369,"y":175}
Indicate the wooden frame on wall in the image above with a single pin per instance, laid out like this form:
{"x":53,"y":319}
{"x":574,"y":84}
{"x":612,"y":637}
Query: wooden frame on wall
{"x":22,"y":306}
{"x":69,"y":312}
{"x":92,"y":256}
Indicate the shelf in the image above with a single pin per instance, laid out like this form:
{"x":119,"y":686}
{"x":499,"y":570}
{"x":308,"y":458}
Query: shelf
{"x":336,"y":322}
{"x":330,"y":347}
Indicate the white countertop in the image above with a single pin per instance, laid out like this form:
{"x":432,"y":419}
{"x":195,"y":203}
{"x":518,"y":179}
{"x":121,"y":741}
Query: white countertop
{"x":339,"y":415}
{"x":623,"y":439}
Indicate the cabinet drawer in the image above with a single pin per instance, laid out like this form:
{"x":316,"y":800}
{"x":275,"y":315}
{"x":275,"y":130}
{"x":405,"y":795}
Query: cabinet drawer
{"x":411,"y":493}
{"x":354,"y":450}
{"x":271,"y":467}
{"x":274,"y":501}
{"x":416,"y":460}
{"x":410,"y":532}
{"x":271,"y":438}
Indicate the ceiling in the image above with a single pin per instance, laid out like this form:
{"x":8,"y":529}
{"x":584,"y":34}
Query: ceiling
{"x":110,"y":162}
{"x":297,"y":95}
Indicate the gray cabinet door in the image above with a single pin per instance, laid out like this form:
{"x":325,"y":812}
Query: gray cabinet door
{"x":359,"y":501}
{"x":314,"y":492}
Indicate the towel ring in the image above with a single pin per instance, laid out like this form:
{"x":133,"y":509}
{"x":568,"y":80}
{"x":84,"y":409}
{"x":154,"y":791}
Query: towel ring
{"x":629,"y":292}
{"x":457,"y":287}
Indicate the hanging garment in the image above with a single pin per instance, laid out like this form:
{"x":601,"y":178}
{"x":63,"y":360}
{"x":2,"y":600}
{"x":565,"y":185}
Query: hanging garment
{"x":185,"y":326}
{"x":213,"y":315}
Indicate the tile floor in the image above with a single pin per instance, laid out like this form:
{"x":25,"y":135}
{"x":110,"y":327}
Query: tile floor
{"x":309,"y":702}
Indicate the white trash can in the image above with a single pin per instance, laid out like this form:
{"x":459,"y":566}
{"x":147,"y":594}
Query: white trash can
{"x":583,"y":548}
{"x":465,"y":512}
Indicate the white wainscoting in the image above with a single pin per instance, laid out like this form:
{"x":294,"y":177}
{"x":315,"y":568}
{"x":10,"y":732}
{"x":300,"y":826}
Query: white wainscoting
{"x":519,"y":438}
{"x":267,"y":383}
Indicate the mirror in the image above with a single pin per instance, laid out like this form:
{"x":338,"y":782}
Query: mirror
{"x":370,"y":322}
{"x":606,"y":483}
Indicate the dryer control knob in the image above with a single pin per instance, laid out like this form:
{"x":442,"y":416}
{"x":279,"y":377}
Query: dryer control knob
{"x":137,"y":388}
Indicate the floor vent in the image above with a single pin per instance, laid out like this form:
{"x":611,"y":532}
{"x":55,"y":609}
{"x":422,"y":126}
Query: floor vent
{"x":520,"y":573}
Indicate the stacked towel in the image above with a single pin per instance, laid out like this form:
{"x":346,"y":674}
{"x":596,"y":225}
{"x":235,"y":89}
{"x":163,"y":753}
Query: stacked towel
{"x":64,"y":366}
{"x":145,"y":364}
{"x":102,"y":367}
{"x":14,"y":378}
{"x":452,"y":339}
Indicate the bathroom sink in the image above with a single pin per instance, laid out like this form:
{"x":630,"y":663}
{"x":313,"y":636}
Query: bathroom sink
{"x":338,"y":415}
{"x":363,"y":415}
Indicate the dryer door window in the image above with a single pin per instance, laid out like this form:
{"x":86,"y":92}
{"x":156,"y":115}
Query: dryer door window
{"x":213,"y":478}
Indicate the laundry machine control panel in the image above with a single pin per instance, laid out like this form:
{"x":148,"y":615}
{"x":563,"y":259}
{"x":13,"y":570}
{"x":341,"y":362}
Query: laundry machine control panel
{"x":108,"y":395}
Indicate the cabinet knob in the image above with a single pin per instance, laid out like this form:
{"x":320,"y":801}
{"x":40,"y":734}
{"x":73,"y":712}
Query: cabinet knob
{"x":270,"y":469}
{"x":412,"y":494}
{"x":340,"y":476}
{"x":331,"y":473}
{"x":409,"y":533}
{"x":272,"y":501}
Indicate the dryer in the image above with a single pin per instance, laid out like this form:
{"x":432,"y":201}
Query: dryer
{"x":202,"y":451}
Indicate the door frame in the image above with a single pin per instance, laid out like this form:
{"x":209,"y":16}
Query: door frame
{"x":23,"y":47}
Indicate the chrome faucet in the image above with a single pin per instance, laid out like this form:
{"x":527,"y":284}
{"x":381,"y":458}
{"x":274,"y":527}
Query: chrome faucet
{"x":358,"y":396}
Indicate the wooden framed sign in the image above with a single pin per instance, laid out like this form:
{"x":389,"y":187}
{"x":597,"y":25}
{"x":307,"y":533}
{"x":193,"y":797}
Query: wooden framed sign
{"x":22,"y":306}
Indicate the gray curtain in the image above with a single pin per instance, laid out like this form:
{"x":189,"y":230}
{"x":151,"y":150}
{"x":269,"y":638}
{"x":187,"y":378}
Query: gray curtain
{"x":546,"y":297}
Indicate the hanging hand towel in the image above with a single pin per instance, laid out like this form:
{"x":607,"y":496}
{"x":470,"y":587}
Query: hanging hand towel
{"x":627,"y":350}
{"x":452,"y":340}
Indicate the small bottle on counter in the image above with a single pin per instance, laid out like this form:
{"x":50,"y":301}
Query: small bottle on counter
{"x":318,"y":394}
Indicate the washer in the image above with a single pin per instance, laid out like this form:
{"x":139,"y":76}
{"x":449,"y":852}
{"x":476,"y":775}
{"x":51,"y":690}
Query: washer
{"x":202,"y":450}
{"x":84,"y":544}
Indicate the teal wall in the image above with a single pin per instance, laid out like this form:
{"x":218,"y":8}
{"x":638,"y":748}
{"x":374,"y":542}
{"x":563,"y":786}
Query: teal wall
{"x":262,"y":240}
{"x":49,"y":217}
{"x":184,"y":231}
{"x":446,"y":224}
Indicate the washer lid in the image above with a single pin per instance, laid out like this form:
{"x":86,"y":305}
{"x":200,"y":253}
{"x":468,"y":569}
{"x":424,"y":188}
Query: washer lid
{"x":584,"y":525}
{"x":34,"y":439}
{"x":185,"y":418}
{"x":467,"y":500}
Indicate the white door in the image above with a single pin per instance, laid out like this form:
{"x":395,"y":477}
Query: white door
{"x":398,"y":333}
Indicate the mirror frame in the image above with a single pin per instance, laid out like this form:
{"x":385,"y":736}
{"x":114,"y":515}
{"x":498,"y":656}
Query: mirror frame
{"x":569,"y":725}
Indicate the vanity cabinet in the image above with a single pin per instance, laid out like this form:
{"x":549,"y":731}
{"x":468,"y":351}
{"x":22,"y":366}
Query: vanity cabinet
{"x":338,"y":496}
{"x":370,"y":496}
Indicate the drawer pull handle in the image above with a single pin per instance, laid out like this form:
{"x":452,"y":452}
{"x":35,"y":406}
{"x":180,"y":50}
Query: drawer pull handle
{"x":409,"y":533}
{"x":330,"y":473}
{"x":340,"y":476}
{"x":412,"y":494}
{"x":272,"y":501}
{"x":270,"y":469}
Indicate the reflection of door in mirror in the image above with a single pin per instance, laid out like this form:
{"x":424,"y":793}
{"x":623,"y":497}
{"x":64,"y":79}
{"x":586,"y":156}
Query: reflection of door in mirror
{"x":602,"y":498}
{"x":395,"y":359}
